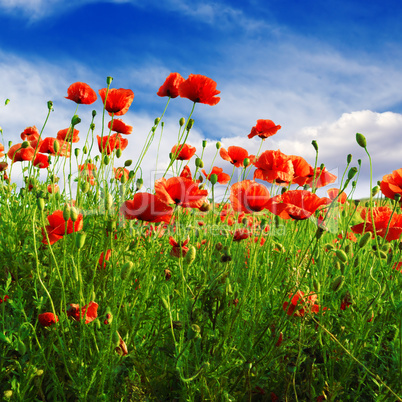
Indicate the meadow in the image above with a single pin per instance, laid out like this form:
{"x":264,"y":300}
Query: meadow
{"x":112,"y":291}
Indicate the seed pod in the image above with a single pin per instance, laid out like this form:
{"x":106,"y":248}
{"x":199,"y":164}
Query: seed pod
{"x":337,"y":283}
{"x":204,"y":143}
{"x":341,"y":255}
{"x":364,"y":239}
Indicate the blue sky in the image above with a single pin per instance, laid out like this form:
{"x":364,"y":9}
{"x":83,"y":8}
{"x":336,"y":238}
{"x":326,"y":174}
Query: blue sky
{"x":323,"y":70}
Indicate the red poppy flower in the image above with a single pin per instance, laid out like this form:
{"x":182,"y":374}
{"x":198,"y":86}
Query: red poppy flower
{"x":180,"y":191}
{"x":234,"y":155}
{"x":186,"y":173}
{"x":301,"y":170}
{"x":186,"y":152}
{"x":65,"y":135}
{"x":249,"y":196}
{"x":57,"y":227}
{"x":119,"y":172}
{"x":296,"y":204}
{"x":90,"y":312}
{"x":199,"y":88}
{"x":41,"y":161}
{"x":118,"y":100}
{"x":107,"y":258}
{"x":146,"y":207}
{"x":31,"y":134}
{"x":171,"y":86}
{"x":302,"y":304}
{"x":241,"y":234}
{"x":108,"y":144}
{"x":1,"y":150}
{"x":87,"y":171}
{"x":3,"y":166}
{"x":119,"y":126}
{"x":20,"y":155}
{"x":274,"y":166}
{"x":382,"y":222}
{"x":53,"y":188}
{"x":391,"y":184}
{"x":223,"y":178}
{"x":264,"y":129}
{"x":47,"y":147}
{"x":47,"y":319}
{"x":79,"y":92}
{"x":333,"y":193}
{"x":322,"y":178}
{"x":178,"y":248}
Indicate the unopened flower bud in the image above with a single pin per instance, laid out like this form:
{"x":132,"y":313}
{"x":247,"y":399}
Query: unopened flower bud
{"x":375,"y":191}
{"x":109,"y":80}
{"x":80,"y":240}
{"x":199,"y":163}
{"x":204,"y":143}
{"x":364,"y":239}
{"x":25,"y":144}
{"x":128,"y":162}
{"x":157,"y":120}
{"x":85,"y":187}
{"x":56,"y":146}
{"x":341,"y":255}
{"x":190,"y":256}
{"x":361,"y":140}
{"x":85,"y":149}
{"x":139,"y":183}
{"x":118,"y":153}
{"x":75,"y":120}
{"x":315,"y":145}
{"x":74,"y":214}
{"x":246,"y":162}
{"x":337,"y":283}
{"x":41,"y":203}
{"x":7,"y":102}
{"x":190,"y":124}
{"x":352,"y":172}
{"x":93,"y":113}
{"x":108,"y":201}
{"x":50,"y":105}
{"x":182,"y":121}
{"x":76,"y":152}
{"x":349,"y":158}
{"x":66,"y":212}
{"x":92,"y":126}
{"x":213,"y":178}
{"x":106,"y":159}
{"x":218,"y":145}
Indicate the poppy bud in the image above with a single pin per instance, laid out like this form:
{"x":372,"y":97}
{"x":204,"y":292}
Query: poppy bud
{"x":190,"y":124}
{"x":128,"y":162}
{"x":85,"y":187}
{"x":74,"y":214}
{"x":106,"y":159}
{"x":341,"y":255}
{"x":201,"y":187}
{"x":352,"y":172}
{"x":126,"y":270}
{"x":213,"y":178}
{"x":190,"y":256}
{"x":139,"y":184}
{"x":361,"y":140}
{"x":182,"y":121}
{"x":93,"y":114}
{"x":41,"y":204}
{"x":204,"y":143}
{"x":108,"y":316}
{"x":6,"y":102}
{"x":349,"y":158}
{"x":200,"y":178}
{"x":364,"y":239}
{"x":118,"y":153}
{"x":56,"y":146}
{"x":337,"y":283}
{"x":108,"y":201}
{"x":157,"y":120}
{"x":109,"y":80}
{"x":50,"y":105}
{"x":66,"y":212}
{"x":283,"y":190}
{"x":375,"y":191}
{"x":80,"y":240}
{"x":382,"y":255}
{"x":246,"y":162}
{"x":315,"y":145}
{"x":199,"y":163}
{"x":397,"y":197}
{"x":75,"y":120}
{"x":76,"y":152}
{"x":218,"y":145}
